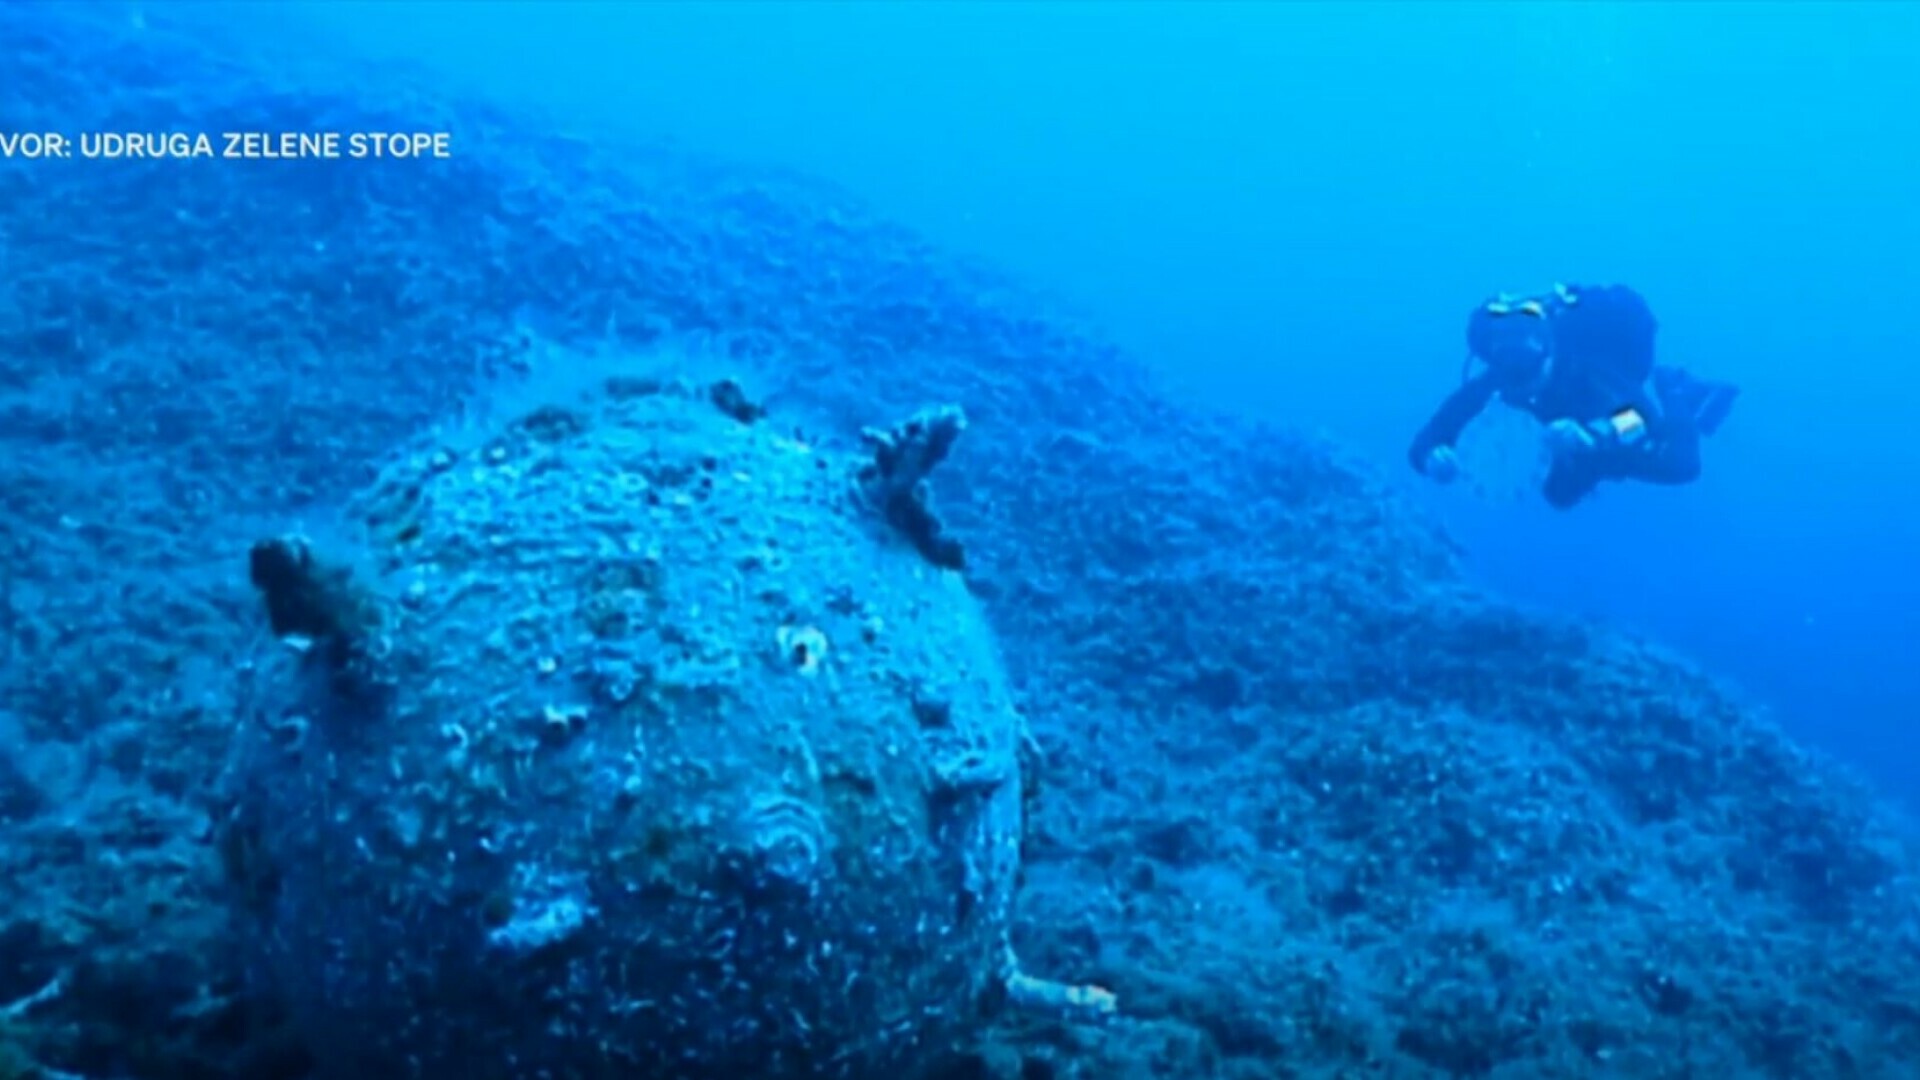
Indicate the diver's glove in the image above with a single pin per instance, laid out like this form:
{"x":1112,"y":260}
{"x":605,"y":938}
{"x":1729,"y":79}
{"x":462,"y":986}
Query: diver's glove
{"x":1569,"y":438}
{"x":1441,"y":466}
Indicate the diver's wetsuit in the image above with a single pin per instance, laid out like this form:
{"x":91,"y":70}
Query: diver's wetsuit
{"x":1600,"y":370}
{"x":1670,"y":454}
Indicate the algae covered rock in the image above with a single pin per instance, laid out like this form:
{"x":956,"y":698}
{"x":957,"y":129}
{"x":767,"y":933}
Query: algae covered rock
{"x":642,"y":748}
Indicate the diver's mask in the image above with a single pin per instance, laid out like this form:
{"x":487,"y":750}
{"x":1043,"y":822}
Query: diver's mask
{"x":1514,"y":338}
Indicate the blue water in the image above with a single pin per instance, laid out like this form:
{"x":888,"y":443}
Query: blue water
{"x":1290,"y":207}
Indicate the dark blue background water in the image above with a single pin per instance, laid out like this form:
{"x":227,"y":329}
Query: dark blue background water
{"x":1291,"y":207}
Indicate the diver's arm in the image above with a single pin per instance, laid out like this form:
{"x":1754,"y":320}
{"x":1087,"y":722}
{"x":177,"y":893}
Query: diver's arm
{"x":1659,"y":453}
{"x":1451,"y":418}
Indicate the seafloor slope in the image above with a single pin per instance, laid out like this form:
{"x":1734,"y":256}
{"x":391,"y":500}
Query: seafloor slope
{"x":1312,"y":805}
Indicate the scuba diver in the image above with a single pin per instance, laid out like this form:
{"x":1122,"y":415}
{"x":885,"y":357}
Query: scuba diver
{"x":1580,"y":360}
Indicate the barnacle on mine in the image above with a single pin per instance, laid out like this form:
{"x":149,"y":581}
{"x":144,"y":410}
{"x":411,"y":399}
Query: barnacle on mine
{"x":804,"y":647}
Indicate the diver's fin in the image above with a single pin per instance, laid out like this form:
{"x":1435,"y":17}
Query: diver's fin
{"x":1705,"y":402}
{"x":1716,"y":401}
